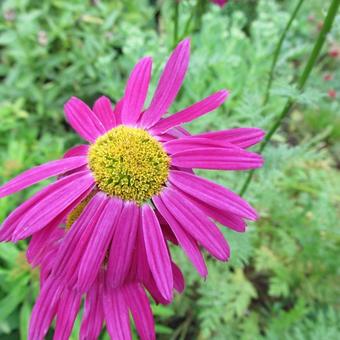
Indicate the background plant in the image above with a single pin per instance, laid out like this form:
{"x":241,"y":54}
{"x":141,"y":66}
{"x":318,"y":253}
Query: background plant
{"x":282,"y":280}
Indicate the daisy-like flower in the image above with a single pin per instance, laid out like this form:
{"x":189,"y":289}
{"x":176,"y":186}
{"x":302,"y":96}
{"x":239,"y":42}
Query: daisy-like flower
{"x":132,"y":189}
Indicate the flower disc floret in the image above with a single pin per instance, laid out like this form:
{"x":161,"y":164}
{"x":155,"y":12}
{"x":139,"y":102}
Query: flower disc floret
{"x":129,"y":163}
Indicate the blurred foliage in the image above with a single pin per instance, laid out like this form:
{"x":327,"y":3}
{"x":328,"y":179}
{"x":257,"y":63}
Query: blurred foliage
{"x":283,"y":277}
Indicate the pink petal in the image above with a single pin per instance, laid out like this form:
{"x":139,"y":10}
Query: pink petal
{"x":217,"y":159}
{"x":66,"y":314}
{"x":13,"y":220}
{"x":221,"y":216}
{"x":188,"y":244}
{"x":189,"y":143}
{"x":192,"y":112}
{"x":103,"y":110}
{"x":118,"y":111}
{"x":123,"y":244}
{"x":179,"y":283}
{"x":39,"y":173}
{"x":51,"y":201}
{"x":220,"y":3}
{"x":44,"y":310}
{"x":77,"y":239}
{"x":78,"y":150}
{"x":116,"y":314}
{"x":242,"y":137}
{"x":11,"y":223}
{"x":195,"y":222}
{"x":212,"y":194}
{"x":157,"y":252}
{"x":42,"y":241}
{"x":152,"y":288}
{"x":167,"y":232}
{"x":98,"y":244}
{"x":140,"y":266}
{"x":177,"y":132}
{"x":83,"y":120}
{"x":136,"y":91}
{"x":93,"y":317}
{"x":139,"y":305}
{"x":169,"y":84}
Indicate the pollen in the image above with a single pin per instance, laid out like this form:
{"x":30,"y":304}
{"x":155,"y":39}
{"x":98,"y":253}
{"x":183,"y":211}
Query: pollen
{"x":129,"y":163}
{"x":77,"y":211}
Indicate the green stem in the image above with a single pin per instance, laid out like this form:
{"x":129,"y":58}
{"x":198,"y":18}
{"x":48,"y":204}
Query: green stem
{"x":278,"y":51}
{"x":176,"y":17}
{"x":197,"y":14}
{"x":188,"y":23}
{"x":332,"y":11}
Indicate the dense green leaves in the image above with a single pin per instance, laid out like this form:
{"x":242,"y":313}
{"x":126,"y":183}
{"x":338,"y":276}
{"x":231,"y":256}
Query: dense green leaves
{"x":282,"y":279}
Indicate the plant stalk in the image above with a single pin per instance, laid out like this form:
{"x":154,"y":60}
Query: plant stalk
{"x":278,"y":51}
{"x":329,"y":20}
{"x":176,"y":18}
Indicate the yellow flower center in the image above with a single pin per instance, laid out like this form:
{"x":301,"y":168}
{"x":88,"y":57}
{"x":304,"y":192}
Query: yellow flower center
{"x":129,"y":163}
{"x":76,"y":212}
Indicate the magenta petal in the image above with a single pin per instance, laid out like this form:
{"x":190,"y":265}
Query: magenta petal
{"x":242,"y":137}
{"x":44,"y":310}
{"x":139,"y":305}
{"x":51,"y":201}
{"x":226,"y":218}
{"x":93,"y":317}
{"x":136,"y":91}
{"x":77,"y":239}
{"x":12,"y":221}
{"x":179,"y":282}
{"x":118,"y":111}
{"x":152,"y":288}
{"x":123,"y":244}
{"x":217,"y":159}
{"x":102,"y":108}
{"x":98,"y":245}
{"x":44,"y":240}
{"x":169,"y":84}
{"x":116,"y":314}
{"x":83,"y":120}
{"x":197,"y":224}
{"x":220,"y":3}
{"x":157,"y":252}
{"x":40,"y":173}
{"x":68,"y":309}
{"x":140,"y":265}
{"x":78,"y":150}
{"x":190,"y":143}
{"x":188,"y":244}
{"x":192,"y":112}
{"x":212,"y":194}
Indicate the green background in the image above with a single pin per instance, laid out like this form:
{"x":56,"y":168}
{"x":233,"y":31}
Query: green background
{"x":283,"y":277}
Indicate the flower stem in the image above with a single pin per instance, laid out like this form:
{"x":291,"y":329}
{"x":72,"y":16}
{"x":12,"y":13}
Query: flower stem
{"x":176,"y":18}
{"x":332,"y":11}
{"x":278,"y":50}
{"x":188,"y":23}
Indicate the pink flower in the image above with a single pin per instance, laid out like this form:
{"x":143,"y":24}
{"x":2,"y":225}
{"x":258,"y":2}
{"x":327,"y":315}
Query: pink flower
{"x":220,"y":3}
{"x":332,"y":93}
{"x":327,"y":77}
{"x":123,"y":196}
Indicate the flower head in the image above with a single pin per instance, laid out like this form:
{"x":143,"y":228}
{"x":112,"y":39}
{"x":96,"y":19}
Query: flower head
{"x":123,"y":197}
